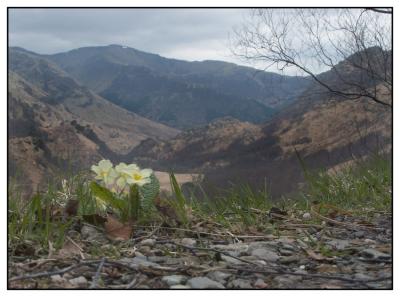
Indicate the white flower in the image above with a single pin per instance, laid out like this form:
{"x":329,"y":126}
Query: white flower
{"x":105,"y":172}
{"x":140,"y":177}
{"x":124,"y":174}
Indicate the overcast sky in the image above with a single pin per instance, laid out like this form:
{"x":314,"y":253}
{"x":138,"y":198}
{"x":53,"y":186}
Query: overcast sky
{"x":189,"y":34}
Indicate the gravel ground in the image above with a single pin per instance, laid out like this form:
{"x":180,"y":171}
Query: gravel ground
{"x":353,"y":255}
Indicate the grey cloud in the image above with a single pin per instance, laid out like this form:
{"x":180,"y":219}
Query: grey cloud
{"x":162,"y":31}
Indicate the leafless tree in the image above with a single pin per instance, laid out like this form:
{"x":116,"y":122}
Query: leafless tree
{"x":356,"y":44}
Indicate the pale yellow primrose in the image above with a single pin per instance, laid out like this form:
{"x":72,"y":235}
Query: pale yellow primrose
{"x":141,"y":177}
{"x":105,"y":172}
{"x":124,"y":174}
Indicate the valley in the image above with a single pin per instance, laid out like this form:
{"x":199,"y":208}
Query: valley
{"x":226,"y":122}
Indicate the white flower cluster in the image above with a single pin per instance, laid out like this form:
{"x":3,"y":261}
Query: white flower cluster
{"x":119,"y":179}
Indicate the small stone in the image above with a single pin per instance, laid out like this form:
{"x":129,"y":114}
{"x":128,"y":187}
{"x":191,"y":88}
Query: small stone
{"x":231,"y":260}
{"x":145,"y":249}
{"x":362,"y":277}
{"x":260,"y":284}
{"x":136,"y":262}
{"x":265,"y":254}
{"x":338,"y":244}
{"x":289,"y":259}
{"x":374,"y":254}
{"x":172,"y":280}
{"x":326,"y":268}
{"x":307,"y":216}
{"x":234,"y":249}
{"x":188,"y":242}
{"x":359,"y":234}
{"x":57,"y":278}
{"x":302,"y":267}
{"x":79,"y":281}
{"x":262,"y":245}
{"x":148,"y":242}
{"x":240,"y":284}
{"x":92,"y":234}
{"x":285,"y":252}
{"x":180,"y":287}
{"x":219,"y":276}
{"x":204,"y":283}
{"x":288,"y":281}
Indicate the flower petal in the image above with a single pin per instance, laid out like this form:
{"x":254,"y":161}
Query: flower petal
{"x":146,"y":172}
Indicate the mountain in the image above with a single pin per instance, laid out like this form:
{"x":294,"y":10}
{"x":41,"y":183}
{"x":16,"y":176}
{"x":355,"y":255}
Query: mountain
{"x":54,"y":122}
{"x":320,"y":128}
{"x":199,"y":148}
{"x":178,"y":93}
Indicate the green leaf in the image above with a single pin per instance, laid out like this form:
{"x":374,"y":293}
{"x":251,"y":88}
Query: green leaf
{"x":180,"y":202}
{"x":108,"y":197}
{"x":177,"y":190}
{"x":148,"y":193}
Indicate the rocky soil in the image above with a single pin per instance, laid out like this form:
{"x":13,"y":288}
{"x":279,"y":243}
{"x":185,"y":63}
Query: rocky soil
{"x":342,"y":253}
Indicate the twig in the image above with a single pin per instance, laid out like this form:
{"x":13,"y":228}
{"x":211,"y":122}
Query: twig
{"x":49,"y":273}
{"x":349,"y":225}
{"x":212,"y":250}
{"x":148,"y":235}
{"x":40,"y":262}
{"x":77,"y":245}
{"x":97,"y":275}
{"x":220,"y":235}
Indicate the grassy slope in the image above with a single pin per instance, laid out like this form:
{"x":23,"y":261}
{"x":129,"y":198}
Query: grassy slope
{"x":363,"y":188}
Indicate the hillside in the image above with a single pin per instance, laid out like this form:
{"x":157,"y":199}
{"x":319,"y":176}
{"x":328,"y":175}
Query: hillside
{"x":325,"y":129}
{"x":179,"y":93}
{"x":54,"y":121}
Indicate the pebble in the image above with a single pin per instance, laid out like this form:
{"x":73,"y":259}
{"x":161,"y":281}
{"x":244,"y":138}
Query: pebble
{"x":359,"y":234}
{"x":231,"y":260}
{"x":57,"y":278}
{"x":92,"y":234}
{"x":374,"y":254}
{"x":307,"y":216}
{"x":239,"y":284}
{"x":219,"y":276}
{"x":260,"y":284}
{"x":204,"y":283}
{"x":180,"y":287}
{"x":362,"y":277}
{"x":148,"y":242}
{"x":174,"y":279}
{"x":265,"y":254}
{"x":145,"y":249}
{"x":285,"y":252}
{"x":287,"y":280}
{"x":138,"y":261}
{"x":338,"y":244}
{"x":188,"y":242}
{"x":79,"y":281}
{"x":234,"y":249}
{"x":289,"y":259}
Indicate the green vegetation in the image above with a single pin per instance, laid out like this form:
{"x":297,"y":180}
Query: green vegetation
{"x":362,"y":189}
{"x":363,"y":185}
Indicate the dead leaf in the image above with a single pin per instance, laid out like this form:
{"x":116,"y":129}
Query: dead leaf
{"x":24,"y":249}
{"x":115,"y":230}
{"x":71,"y":209}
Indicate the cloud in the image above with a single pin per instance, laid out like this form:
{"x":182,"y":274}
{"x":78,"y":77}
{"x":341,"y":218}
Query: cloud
{"x":191,"y":34}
